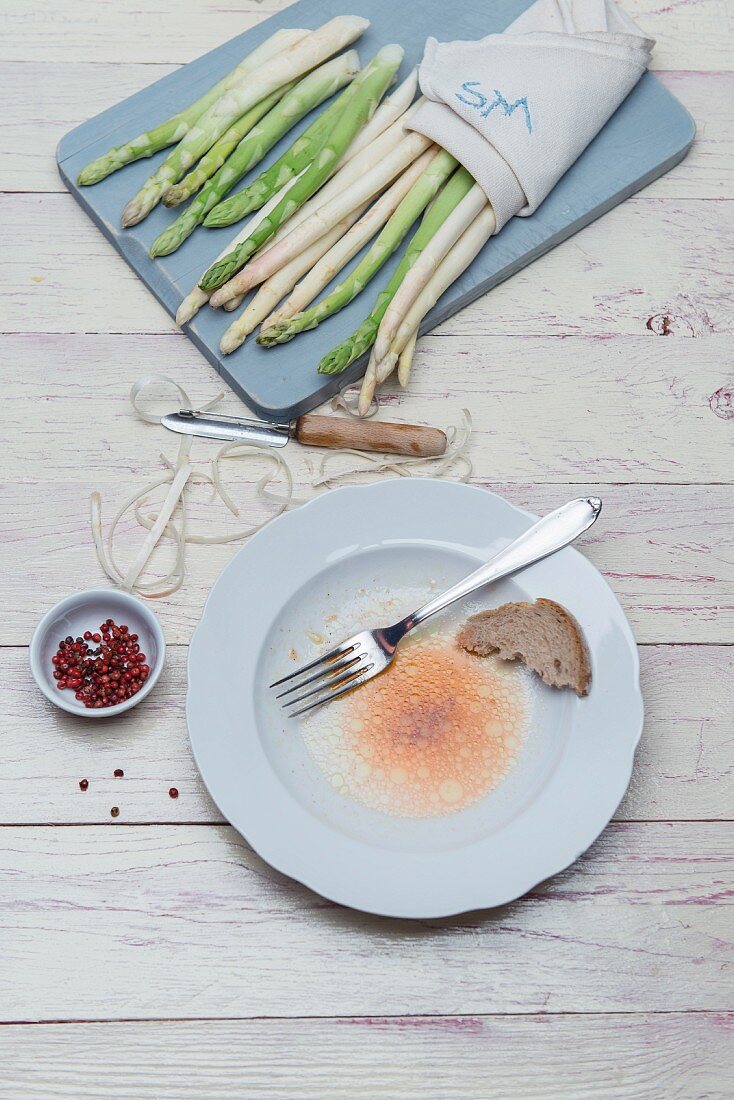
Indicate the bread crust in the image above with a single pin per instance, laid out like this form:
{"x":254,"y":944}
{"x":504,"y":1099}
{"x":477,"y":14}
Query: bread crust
{"x":484,"y":634}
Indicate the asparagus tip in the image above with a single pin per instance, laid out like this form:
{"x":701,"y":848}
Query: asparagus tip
{"x":216,"y":276}
{"x":184,"y":313}
{"x":174,"y":196}
{"x":365,"y":400}
{"x":386,"y":366}
{"x":381,"y":348}
{"x":131,"y":215}
{"x":218,"y":217}
{"x":335,"y":362}
{"x":220,"y":296}
{"x":274,"y":334}
{"x":230,"y":342}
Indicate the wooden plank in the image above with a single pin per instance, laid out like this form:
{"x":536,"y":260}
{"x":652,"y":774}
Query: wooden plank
{"x":641,"y":1057}
{"x":707,"y":171}
{"x":129,"y":32}
{"x":615,"y":405}
{"x":46,"y":100}
{"x":647,"y":258}
{"x":689,"y":35}
{"x":683,"y":768}
{"x":666,"y":551}
{"x":152,"y":921}
{"x":673,"y":22}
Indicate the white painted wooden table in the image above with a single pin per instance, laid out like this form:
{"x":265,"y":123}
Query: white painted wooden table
{"x":153,"y":954}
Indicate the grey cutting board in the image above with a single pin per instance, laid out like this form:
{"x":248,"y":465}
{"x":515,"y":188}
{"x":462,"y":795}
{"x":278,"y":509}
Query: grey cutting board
{"x":649,"y":134}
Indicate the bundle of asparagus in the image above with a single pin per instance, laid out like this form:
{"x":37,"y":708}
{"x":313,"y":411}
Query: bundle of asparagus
{"x":355,"y":175}
{"x":212,"y":127}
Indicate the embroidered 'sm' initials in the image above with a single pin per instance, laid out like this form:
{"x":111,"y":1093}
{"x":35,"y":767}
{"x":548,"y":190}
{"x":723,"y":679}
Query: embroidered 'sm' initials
{"x":485,"y":106}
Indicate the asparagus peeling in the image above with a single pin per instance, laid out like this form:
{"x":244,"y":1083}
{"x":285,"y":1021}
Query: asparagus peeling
{"x":431,"y":179}
{"x":307,"y":94}
{"x":176,"y":127}
{"x":339,"y":358}
{"x":369,"y":87}
{"x":285,"y":66}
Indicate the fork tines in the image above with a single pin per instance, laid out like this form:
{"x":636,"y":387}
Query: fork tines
{"x":341,"y":668}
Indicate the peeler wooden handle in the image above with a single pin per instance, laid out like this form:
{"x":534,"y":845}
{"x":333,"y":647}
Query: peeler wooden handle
{"x":369,"y":435}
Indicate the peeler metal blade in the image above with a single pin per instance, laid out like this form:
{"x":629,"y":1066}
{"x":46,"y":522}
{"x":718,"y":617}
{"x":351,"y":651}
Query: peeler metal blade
{"x":228,"y":428}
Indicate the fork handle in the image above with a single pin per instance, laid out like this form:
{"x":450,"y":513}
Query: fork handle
{"x":549,"y":534}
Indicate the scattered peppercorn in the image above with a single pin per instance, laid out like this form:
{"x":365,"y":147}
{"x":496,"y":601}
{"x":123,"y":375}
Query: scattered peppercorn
{"x":173,"y":792}
{"x":115,"y":811}
{"x":118,"y":773}
{"x":83,"y":784}
{"x":108,"y":674}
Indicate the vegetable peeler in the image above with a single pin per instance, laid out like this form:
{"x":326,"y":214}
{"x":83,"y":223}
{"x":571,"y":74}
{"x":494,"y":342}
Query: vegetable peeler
{"x":313,"y":430}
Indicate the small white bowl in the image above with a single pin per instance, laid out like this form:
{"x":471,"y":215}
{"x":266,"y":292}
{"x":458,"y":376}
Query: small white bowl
{"x":85,"y":611}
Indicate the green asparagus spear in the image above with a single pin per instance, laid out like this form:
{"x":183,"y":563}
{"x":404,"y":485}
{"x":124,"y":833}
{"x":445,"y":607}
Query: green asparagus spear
{"x":420,"y":194}
{"x":363,"y":338}
{"x":369,"y":87}
{"x":294,"y":160}
{"x":306,"y":95}
{"x":174,"y":128}
{"x":316,"y":48}
{"x":212,"y":161}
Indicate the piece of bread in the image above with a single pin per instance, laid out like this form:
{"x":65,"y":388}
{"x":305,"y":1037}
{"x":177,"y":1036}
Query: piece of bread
{"x":542,"y":634}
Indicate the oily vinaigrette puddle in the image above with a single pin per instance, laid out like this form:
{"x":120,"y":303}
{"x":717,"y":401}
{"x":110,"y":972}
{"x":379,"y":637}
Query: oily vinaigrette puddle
{"x":433,"y":734}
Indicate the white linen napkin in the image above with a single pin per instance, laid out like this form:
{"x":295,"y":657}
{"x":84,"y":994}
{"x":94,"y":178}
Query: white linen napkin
{"x":517,"y":109}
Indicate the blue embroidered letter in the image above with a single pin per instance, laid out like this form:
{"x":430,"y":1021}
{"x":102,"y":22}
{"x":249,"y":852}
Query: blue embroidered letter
{"x":485,"y":108}
{"x":509,"y":108}
{"x":467,"y":87}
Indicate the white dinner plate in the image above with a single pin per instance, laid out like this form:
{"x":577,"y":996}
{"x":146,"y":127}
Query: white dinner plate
{"x":365,"y":556}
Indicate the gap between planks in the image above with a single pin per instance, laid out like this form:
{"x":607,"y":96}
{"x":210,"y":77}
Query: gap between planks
{"x":112,"y":1021}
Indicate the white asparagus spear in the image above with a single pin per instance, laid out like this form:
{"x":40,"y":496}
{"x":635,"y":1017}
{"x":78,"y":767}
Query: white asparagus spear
{"x":426,"y":265}
{"x":261,"y":267}
{"x":322,"y":273}
{"x":273,"y":289}
{"x":285,"y":66}
{"x":196,"y":298}
{"x":405,"y":361}
{"x":451,"y":267}
{"x":369,"y":385}
{"x":233,"y":303}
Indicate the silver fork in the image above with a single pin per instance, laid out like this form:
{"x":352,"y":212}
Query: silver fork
{"x":364,"y":655}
